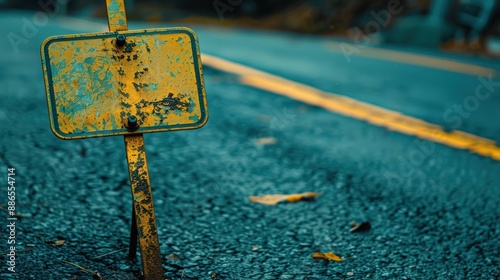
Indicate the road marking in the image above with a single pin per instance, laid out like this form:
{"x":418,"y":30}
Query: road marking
{"x":414,"y":59}
{"x":353,"y":108}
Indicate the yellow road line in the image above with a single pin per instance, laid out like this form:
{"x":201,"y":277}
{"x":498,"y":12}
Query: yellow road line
{"x":413,"y":59}
{"x":349,"y":107}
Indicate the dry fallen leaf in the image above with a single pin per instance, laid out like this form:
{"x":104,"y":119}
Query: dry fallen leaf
{"x":55,"y":243}
{"x":364,"y":226}
{"x":264,"y":118}
{"x":266,"y":141}
{"x":327,"y":256}
{"x":173,"y":257}
{"x":273,"y":199}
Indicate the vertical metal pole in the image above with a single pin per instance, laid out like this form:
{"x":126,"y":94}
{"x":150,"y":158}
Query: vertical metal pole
{"x":145,"y":221}
{"x":144,"y":208}
{"x":117,"y":18}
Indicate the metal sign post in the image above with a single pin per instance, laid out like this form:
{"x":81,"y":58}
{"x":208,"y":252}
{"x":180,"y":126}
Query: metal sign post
{"x":145,"y":220}
{"x":126,"y":83}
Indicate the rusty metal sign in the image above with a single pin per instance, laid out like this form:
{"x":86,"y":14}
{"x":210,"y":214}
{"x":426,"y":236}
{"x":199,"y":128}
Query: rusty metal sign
{"x":124,"y":82}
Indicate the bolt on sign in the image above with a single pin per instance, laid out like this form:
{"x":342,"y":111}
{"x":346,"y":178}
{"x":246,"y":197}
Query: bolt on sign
{"x":96,"y":82}
{"x":126,"y":83}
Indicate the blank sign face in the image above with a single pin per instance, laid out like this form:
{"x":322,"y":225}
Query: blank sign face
{"x":95,"y":82}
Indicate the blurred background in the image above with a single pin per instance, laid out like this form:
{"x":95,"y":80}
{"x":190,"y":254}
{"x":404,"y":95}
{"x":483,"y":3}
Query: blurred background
{"x":471,"y":26}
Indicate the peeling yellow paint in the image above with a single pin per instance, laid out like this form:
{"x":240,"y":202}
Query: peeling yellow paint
{"x":93,"y":85}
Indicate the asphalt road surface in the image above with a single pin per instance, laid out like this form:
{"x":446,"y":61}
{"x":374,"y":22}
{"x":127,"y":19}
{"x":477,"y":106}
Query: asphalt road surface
{"x":433,"y":208}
